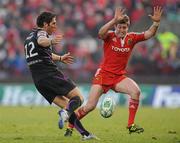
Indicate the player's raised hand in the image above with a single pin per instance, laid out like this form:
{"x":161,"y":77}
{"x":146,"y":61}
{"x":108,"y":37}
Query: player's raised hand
{"x":67,"y":58}
{"x":57,"y":39}
{"x":119,"y":14}
{"x":156,"y":17}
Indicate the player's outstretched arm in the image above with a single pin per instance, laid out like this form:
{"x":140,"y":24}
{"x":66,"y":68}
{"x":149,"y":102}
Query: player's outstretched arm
{"x":119,"y":15}
{"x":66,"y":58}
{"x":156,"y":17}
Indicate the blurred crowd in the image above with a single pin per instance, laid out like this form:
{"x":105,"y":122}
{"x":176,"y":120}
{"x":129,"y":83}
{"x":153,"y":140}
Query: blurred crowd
{"x":80,"y":21}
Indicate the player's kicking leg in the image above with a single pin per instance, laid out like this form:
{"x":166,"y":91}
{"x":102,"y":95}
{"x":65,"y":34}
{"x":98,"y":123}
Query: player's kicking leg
{"x":95,"y":92}
{"x":80,"y":114}
{"x":79,"y":127}
{"x":74,"y":100}
{"x":77,"y":124}
{"x":69,"y":115}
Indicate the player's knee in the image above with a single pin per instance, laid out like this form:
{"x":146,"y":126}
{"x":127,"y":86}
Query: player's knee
{"x":136,"y":94}
{"x":78,"y":100}
{"x":81,"y":99}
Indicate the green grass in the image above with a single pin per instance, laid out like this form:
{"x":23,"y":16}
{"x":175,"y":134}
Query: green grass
{"x":39,"y":125}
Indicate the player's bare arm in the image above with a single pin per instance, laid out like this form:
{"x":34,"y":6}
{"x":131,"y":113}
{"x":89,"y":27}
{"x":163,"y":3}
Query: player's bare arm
{"x":66,"y":58}
{"x":45,"y":41}
{"x":119,"y":15}
{"x":156,"y":17}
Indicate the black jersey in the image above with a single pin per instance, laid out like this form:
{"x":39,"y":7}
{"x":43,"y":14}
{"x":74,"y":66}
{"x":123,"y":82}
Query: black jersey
{"x":39,"y":59}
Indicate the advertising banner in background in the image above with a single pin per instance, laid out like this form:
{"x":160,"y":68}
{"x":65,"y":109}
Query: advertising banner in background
{"x":152,"y":95}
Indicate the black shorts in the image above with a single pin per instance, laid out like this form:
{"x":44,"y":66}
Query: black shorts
{"x":56,"y":85}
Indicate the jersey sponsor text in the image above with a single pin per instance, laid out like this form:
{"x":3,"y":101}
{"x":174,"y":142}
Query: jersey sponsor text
{"x":120,"y":49}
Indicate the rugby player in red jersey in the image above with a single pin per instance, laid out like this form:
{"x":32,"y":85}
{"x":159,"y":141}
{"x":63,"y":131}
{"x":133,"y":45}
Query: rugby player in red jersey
{"x":117,"y":47}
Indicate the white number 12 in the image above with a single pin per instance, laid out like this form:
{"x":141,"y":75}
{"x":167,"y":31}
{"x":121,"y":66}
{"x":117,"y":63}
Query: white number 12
{"x":30,"y":46}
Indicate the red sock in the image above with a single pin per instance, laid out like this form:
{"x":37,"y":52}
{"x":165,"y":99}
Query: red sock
{"x":133,"y":106}
{"x":70,"y":125}
{"x":80,"y":114}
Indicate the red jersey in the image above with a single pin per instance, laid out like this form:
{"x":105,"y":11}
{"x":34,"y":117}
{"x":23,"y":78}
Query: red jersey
{"x":117,"y":51}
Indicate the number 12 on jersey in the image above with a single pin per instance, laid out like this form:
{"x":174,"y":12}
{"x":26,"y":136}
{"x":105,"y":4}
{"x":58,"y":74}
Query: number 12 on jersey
{"x":29,"y":50}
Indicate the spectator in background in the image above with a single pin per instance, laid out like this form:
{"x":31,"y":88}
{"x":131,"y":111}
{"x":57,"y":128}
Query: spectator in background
{"x":77,"y":22}
{"x":169,"y":42}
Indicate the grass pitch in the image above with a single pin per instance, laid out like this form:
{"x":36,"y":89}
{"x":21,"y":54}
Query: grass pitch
{"x":39,"y":125}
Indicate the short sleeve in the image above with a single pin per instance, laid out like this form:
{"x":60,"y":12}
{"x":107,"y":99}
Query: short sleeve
{"x":41,"y":33}
{"x":138,"y":37}
{"x":110,"y":34}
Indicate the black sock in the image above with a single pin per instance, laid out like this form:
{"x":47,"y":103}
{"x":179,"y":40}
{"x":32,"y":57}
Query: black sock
{"x":77,"y":124}
{"x":73,"y":104}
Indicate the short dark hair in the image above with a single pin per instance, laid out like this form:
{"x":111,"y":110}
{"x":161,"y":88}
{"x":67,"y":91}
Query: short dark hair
{"x":44,"y":17}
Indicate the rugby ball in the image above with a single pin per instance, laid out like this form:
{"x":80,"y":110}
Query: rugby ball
{"x":107,"y":107}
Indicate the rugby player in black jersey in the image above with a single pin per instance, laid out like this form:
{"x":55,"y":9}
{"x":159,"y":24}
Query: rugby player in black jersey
{"x":53,"y":85}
